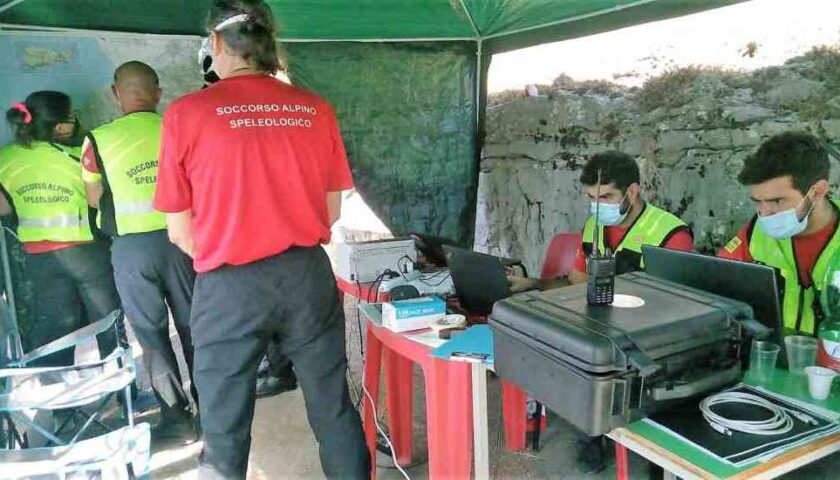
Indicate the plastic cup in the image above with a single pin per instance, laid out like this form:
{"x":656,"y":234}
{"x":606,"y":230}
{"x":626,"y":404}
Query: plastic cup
{"x":763,"y":358}
{"x":819,"y":381}
{"x":801,"y":352}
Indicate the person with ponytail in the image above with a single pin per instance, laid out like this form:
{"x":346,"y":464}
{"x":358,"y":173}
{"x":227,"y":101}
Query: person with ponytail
{"x":251,"y":174}
{"x":41,"y":184}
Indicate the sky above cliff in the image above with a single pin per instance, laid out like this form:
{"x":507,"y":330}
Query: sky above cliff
{"x":779,"y":29}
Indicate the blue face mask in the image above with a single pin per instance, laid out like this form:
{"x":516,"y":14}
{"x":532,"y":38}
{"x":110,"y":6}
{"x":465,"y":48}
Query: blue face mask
{"x":608,"y":214}
{"x":782,"y":225}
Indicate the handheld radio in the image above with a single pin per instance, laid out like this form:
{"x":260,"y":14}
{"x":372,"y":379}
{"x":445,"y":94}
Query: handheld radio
{"x":600,"y":267}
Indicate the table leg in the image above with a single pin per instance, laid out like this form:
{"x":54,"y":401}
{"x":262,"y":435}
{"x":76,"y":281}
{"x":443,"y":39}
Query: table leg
{"x":480,"y":436}
{"x":373,"y":365}
{"x":399,"y":384}
{"x":448,"y":418}
{"x":622,"y":464}
{"x":515,"y":413}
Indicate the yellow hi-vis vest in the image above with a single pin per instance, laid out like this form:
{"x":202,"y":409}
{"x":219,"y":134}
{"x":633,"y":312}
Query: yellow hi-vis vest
{"x":127,"y":155}
{"x":44,"y":185}
{"x":653,"y":227}
{"x":800,"y":306}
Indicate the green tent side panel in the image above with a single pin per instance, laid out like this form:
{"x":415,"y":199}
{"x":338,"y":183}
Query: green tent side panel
{"x":407,"y":114}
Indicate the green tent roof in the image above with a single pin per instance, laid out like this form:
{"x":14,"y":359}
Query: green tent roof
{"x":501,"y":24}
{"x":412,"y":114}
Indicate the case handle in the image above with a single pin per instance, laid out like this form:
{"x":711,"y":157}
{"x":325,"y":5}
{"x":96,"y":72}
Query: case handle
{"x":643,"y":363}
{"x":757,"y":330}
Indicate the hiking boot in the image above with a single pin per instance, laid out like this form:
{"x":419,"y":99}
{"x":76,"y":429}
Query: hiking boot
{"x":268,"y":386}
{"x":171,"y":430}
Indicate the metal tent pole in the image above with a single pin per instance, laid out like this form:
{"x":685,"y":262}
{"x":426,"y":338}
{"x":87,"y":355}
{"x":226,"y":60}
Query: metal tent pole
{"x":16,"y":348}
{"x":9,"y":5}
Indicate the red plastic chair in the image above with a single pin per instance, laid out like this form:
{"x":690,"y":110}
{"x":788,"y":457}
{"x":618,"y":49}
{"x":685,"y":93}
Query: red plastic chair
{"x":560,"y":256}
{"x":559,"y":260}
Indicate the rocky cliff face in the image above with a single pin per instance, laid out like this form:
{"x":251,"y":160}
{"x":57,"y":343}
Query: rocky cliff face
{"x":689,"y":129}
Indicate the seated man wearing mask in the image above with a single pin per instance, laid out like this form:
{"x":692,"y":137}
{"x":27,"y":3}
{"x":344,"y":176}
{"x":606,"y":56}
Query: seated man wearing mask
{"x":795,"y":228}
{"x":627,"y":223}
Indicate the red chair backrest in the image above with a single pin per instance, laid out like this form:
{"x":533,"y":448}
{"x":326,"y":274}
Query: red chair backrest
{"x":560,"y":256}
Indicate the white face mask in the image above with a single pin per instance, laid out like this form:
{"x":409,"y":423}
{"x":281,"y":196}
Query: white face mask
{"x":786,"y":224}
{"x":609,"y":214}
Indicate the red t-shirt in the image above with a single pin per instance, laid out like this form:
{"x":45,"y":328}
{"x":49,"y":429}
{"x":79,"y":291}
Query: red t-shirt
{"x":89,"y":158}
{"x":254,"y":159}
{"x":681,"y":240}
{"x":44,"y":246}
{"x":807,"y":249}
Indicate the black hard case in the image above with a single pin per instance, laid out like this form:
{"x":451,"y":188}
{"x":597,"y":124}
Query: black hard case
{"x":601,"y":367}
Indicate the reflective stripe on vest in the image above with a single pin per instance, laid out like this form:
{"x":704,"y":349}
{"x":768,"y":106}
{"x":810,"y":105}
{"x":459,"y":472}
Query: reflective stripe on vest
{"x":137,"y":208}
{"x":60,"y":221}
{"x":45,"y":185}
{"x":127,"y":150}
{"x":797,"y":302}
{"x":653,"y":227}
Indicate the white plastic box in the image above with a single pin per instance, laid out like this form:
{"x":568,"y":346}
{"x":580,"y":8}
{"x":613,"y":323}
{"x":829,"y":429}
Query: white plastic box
{"x":412,"y":314}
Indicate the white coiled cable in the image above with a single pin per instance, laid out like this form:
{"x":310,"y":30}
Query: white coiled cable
{"x":780,"y":423}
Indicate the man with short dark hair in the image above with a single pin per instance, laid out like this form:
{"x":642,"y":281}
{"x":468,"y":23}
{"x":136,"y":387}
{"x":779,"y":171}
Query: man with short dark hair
{"x":625,"y":220}
{"x":626,"y":223}
{"x":795,"y":227}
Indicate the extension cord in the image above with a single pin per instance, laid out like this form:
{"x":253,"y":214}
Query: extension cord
{"x":779,"y":424}
{"x":382,"y":432}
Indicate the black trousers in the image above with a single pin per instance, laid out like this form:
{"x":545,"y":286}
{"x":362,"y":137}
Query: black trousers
{"x":236,"y":312}
{"x":74,"y":287}
{"x":151,"y":273}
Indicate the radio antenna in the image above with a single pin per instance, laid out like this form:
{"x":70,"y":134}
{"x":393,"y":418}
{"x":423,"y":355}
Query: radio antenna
{"x":596,"y":241}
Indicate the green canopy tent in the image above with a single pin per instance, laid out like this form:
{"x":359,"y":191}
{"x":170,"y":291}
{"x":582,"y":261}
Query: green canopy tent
{"x":407,"y":77}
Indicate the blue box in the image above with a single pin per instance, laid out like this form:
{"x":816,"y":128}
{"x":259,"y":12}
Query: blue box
{"x":412,"y":314}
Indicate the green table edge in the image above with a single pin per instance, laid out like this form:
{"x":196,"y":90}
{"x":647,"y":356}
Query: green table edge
{"x":783,"y":382}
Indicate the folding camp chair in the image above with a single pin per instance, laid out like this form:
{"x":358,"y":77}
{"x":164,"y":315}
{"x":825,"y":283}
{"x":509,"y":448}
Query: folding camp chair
{"x":83,"y":392}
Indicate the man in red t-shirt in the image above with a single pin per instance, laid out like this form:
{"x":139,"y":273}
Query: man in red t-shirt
{"x":795,"y":229}
{"x":626,"y":221}
{"x":251,"y":173}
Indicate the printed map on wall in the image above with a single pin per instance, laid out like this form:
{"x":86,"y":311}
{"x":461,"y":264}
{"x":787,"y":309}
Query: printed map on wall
{"x":83,"y":65}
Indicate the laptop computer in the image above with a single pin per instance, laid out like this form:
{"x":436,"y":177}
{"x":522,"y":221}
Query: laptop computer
{"x":752,"y":283}
{"x":480,"y":280}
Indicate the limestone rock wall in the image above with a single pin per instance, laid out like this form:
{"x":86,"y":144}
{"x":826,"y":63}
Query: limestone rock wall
{"x":689,"y":130}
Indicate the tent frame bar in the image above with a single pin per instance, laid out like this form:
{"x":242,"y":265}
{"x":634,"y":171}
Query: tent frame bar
{"x":15,"y":28}
{"x":11,"y":4}
{"x":378,"y":40}
{"x":11,"y":27}
{"x":479,"y":47}
{"x":570,"y":19}
{"x":471,"y":19}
